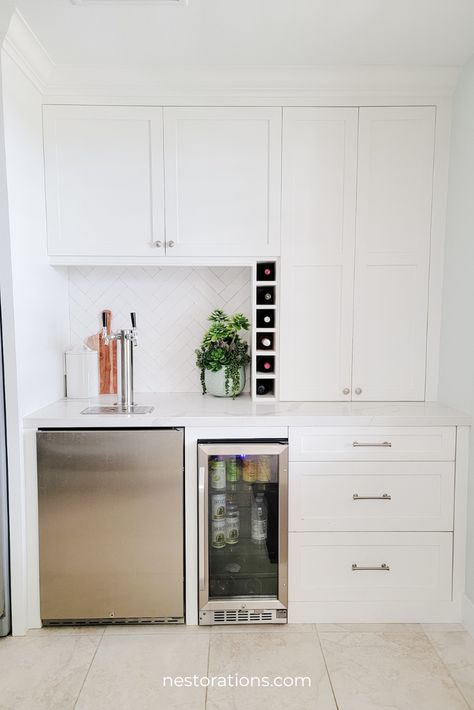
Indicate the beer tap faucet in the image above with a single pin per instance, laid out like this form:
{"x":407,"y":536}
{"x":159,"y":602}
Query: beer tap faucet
{"x":128,"y":340}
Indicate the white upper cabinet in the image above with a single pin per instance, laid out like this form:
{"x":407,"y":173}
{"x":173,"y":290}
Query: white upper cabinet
{"x":318,"y":235}
{"x":394,"y":197}
{"x":361,"y":338}
{"x":222,"y":181}
{"x":104,"y":180}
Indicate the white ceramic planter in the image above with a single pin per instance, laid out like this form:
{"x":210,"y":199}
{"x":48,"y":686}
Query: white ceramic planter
{"x":215,"y":382}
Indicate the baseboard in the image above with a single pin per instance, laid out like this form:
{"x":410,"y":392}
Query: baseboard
{"x":468,"y":614}
{"x":377,"y":612}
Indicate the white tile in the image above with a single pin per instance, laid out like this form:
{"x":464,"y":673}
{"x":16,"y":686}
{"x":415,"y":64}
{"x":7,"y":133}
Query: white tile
{"x":128,"y":672}
{"x":370,"y":671}
{"x":50,"y":631}
{"x":262,"y":628}
{"x":150,"y":629}
{"x":368,"y":628}
{"x":269,"y":655}
{"x":44,"y":672}
{"x":456,"y":649}
{"x":172,"y":306}
{"x":428,"y":628}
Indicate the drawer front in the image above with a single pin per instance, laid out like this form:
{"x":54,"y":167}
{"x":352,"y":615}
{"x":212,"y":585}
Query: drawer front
{"x":372,"y":443}
{"x":381,"y":496}
{"x":388,"y":566}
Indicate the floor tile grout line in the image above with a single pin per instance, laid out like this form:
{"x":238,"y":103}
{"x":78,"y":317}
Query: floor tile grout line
{"x":326,"y":666}
{"x":446,"y":667}
{"x":89,"y":669}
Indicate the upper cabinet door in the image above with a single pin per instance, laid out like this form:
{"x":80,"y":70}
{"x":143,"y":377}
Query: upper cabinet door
{"x":396,"y":152}
{"x":104,"y":180}
{"x":318,"y":234}
{"x":222,"y":181}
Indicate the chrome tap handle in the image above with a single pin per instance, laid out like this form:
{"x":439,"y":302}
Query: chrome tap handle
{"x":133,"y":318}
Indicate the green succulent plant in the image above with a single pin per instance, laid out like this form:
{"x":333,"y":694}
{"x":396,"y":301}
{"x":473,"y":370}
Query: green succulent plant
{"x":222,"y":347}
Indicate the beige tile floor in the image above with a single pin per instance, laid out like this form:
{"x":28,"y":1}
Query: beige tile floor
{"x":351,"y":667}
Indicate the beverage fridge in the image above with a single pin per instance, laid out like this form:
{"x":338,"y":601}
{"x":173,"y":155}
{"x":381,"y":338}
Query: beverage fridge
{"x":243,"y":531}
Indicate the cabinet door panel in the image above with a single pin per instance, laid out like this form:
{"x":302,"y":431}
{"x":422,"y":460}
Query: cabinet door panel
{"x":318,"y":215}
{"x":418,"y":566}
{"x":362,"y":495}
{"x":223,"y":175}
{"x":104,"y":180}
{"x":396,"y":150}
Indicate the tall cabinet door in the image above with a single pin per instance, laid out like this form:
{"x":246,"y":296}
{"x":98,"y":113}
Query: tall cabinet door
{"x":394,"y":195}
{"x":318,"y":234}
{"x":104,"y":180}
{"x":222,"y":181}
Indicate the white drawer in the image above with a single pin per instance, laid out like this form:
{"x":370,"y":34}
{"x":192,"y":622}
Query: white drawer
{"x":383,"y":496}
{"x":418,"y":566}
{"x":372,"y":443}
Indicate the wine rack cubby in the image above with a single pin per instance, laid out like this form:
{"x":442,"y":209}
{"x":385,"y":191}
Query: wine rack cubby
{"x":264,"y":331}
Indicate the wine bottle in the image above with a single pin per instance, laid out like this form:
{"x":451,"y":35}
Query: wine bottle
{"x":266,"y":295}
{"x":266,"y":364}
{"x":266,"y":271}
{"x":265,"y":387}
{"x":265,"y":318}
{"x":264,"y":341}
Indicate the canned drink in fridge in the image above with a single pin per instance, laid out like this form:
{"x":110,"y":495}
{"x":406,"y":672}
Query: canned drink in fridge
{"x":249,"y":469}
{"x":232,"y":525}
{"x":218,"y":506}
{"x":233,"y":469}
{"x":217,"y":474}
{"x":264,"y":469}
{"x":218,"y":533}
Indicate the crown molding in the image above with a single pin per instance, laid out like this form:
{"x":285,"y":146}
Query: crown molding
{"x":253,"y":83}
{"x":25,"y":49}
{"x":229,"y":84}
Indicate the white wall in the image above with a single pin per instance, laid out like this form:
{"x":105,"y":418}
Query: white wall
{"x":457,"y":337}
{"x":172,"y":305}
{"x":35,"y":296}
{"x":39,"y":290}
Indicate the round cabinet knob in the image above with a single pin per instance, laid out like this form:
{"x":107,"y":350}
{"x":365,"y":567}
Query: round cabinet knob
{"x":358,"y":390}
{"x":170,"y":244}
{"x":346,"y":390}
{"x":158,"y":244}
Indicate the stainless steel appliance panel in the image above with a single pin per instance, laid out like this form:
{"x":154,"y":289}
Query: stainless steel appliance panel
{"x":111,"y":524}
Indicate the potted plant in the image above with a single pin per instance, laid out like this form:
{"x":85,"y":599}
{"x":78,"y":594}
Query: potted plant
{"x":223,"y":355}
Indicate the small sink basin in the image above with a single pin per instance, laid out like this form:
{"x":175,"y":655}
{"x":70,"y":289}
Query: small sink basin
{"x":117,"y":409}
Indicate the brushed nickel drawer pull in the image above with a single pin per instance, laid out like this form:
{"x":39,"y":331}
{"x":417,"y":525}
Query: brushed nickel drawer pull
{"x":385,"y":496}
{"x":383,"y":443}
{"x":383,"y":568}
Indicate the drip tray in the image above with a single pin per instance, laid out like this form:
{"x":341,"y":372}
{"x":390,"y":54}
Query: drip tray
{"x":117,"y":409}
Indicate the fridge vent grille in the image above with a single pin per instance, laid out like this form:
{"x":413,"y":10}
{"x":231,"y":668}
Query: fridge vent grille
{"x":241,"y":616}
{"x":143,"y":621}
{"x":129,"y":2}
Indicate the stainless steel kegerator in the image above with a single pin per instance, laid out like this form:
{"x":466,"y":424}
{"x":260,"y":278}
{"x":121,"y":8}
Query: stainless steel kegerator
{"x":243,"y":531}
{"x":111,"y":525}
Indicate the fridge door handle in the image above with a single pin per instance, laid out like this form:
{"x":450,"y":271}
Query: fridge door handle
{"x":202,"y":529}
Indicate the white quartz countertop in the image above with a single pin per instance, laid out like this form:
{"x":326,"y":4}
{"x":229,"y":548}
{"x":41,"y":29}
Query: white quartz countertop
{"x":196,"y":410}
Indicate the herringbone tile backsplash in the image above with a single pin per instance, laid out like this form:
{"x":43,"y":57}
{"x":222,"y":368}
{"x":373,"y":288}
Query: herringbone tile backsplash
{"x":172,"y":305}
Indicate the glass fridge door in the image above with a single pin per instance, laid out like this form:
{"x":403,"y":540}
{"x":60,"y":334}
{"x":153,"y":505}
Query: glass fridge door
{"x":243,"y":525}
